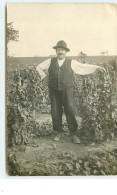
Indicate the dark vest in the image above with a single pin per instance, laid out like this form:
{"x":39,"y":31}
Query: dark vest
{"x":60,"y":78}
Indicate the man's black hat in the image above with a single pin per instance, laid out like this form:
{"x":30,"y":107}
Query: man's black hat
{"x":61,"y":44}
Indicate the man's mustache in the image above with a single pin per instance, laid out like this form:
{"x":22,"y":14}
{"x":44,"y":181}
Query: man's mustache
{"x":60,"y":53}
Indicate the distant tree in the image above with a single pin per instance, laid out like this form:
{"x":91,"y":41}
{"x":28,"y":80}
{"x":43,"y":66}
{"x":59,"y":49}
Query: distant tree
{"x":11,"y":34}
{"x":104,"y":53}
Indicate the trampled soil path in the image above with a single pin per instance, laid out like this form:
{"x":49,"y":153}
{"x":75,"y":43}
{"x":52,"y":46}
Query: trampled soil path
{"x":47,"y":157}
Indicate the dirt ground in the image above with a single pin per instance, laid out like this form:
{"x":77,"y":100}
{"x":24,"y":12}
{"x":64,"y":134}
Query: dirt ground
{"x":49,"y":158}
{"x":46,"y":157}
{"x":44,"y":117}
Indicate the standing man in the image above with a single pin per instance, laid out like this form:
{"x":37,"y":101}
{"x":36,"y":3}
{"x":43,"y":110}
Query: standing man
{"x":60,"y":71}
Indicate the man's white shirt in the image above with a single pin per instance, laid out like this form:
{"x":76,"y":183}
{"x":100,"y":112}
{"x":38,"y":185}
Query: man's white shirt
{"x":77,"y":67}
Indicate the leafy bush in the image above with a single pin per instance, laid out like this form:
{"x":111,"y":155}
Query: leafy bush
{"x":94,"y":101}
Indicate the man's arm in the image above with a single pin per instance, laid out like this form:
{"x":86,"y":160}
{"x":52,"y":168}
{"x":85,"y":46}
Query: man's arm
{"x":84,"y":69}
{"x":42,"y":68}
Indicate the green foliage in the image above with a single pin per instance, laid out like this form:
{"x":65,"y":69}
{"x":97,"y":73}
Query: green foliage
{"x":96,"y":105}
{"x":82,"y":57}
{"x":11,"y":33}
{"x":94,"y":101}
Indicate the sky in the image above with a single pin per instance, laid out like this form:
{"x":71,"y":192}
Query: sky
{"x":91,"y":28}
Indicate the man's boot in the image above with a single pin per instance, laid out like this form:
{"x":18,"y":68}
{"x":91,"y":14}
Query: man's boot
{"x":76,"y":139}
{"x":59,"y":137}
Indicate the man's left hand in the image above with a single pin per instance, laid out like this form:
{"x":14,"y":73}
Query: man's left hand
{"x":102,"y":69}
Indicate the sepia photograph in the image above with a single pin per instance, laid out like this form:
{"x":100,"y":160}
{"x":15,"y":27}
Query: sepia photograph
{"x":61,"y":93}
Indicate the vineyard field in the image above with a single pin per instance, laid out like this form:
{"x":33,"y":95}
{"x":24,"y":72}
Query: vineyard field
{"x":29,"y":125}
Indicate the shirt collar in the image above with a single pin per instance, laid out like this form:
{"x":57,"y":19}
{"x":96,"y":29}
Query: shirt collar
{"x":61,"y":60}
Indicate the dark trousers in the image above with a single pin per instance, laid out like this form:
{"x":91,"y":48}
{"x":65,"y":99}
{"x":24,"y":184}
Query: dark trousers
{"x":60,"y":100}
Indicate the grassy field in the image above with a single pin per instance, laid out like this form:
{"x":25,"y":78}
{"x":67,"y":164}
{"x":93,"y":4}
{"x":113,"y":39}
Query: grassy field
{"x":21,"y":63}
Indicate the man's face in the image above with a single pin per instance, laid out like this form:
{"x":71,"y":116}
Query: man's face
{"x":61,"y":53}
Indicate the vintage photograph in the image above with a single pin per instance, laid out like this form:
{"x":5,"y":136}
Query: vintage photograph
{"x":61,"y":93}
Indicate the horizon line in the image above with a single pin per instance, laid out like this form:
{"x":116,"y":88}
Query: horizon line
{"x":55,"y":55}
